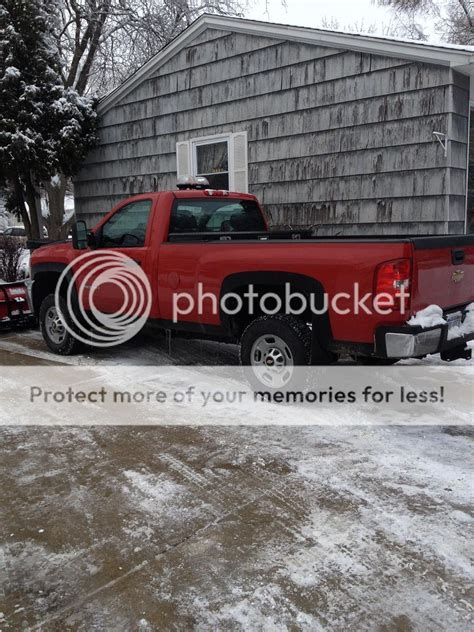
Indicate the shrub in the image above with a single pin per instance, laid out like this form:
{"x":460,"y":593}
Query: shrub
{"x":11,"y":255}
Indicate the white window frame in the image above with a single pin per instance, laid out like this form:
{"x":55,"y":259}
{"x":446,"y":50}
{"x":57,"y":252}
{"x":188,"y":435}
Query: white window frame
{"x":237,"y":146}
{"x":211,"y":140}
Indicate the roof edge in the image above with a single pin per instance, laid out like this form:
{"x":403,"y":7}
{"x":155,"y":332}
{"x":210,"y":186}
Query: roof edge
{"x":192,"y":31}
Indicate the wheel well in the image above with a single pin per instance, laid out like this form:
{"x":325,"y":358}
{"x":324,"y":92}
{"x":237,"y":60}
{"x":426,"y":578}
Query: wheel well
{"x":44,"y":283}
{"x":275,"y":283}
{"x":239,"y":321}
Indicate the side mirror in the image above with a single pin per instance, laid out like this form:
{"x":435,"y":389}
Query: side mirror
{"x":79,"y":236}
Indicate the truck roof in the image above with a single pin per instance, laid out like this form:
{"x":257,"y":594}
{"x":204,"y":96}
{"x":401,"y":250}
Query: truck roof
{"x":192,"y":193}
{"x":196,"y":193}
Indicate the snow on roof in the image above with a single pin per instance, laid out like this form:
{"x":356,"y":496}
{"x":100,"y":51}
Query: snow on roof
{"x":457,"y":57}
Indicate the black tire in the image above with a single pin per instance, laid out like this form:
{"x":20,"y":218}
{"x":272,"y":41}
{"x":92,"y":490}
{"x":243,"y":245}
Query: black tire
{"x":68,"y":345}
{"x":295,"y":335}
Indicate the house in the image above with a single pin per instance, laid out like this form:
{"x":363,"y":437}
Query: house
{"x":348,"y":133}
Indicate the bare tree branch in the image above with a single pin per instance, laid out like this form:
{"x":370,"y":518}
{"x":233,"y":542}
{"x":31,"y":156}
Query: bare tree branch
{"x":454,"y":19}
{"x":104,"y":41}
{"x":93,"y":46}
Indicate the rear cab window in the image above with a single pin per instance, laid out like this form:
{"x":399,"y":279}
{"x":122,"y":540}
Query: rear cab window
{"x":208,"y":215}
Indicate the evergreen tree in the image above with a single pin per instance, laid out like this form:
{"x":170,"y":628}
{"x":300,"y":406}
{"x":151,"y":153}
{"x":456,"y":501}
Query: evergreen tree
{"x":45,"y":128}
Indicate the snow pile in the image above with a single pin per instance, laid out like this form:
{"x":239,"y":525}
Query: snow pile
{"x":433,"y":315}
{"x":12,"y":73}
{"x":428,"y":317}
{"x":467,"y":326}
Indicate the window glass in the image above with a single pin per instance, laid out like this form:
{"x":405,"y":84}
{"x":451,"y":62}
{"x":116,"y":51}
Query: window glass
{"x":16,"y":231}
{"x":127,"y":227}
{"x":212,"y":162}
{"x":215,"y":215}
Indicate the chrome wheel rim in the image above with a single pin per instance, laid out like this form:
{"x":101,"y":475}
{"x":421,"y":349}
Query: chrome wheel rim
{"x":272,"y":361}
{"x":54,"y":326}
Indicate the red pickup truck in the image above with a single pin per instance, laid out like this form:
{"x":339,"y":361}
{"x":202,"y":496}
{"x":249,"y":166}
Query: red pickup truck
{"x":196,"y":242}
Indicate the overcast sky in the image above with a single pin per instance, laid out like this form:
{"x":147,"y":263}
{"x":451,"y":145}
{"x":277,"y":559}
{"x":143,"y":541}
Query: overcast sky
{"x":362,"y":13}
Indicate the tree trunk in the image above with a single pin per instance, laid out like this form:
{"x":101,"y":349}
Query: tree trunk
{"x":20,"y":203}
{"x":467,"y":11}
{"x":32,"y":201}
{"x":100,"y":19}
{"x":56,"y":191}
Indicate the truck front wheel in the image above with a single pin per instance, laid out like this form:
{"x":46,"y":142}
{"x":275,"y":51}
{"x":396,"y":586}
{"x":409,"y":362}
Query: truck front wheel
{"x":274,"y":348}
{"x":55,"y":334}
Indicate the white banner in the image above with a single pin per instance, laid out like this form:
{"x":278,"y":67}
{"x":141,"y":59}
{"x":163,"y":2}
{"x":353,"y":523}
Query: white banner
{"x":221,"y":395}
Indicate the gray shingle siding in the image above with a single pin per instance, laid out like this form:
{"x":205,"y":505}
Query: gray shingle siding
{"x":336,"y":138}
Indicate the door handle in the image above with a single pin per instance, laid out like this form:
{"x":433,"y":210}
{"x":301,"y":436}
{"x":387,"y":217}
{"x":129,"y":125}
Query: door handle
{"x":457,"y":256}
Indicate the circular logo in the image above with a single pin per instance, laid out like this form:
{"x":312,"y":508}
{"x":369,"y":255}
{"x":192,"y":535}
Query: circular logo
{"x":131,"y":296}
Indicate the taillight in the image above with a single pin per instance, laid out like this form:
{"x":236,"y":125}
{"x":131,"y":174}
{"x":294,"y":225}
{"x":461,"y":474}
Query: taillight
{"x":392,"y":280}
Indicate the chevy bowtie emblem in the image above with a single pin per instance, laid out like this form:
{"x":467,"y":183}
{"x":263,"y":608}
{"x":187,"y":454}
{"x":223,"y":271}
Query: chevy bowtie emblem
{"x":457,"y":276}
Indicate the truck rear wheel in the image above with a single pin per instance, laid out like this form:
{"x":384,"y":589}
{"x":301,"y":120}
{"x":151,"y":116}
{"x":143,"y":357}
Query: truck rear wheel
{"x":274,"y":348}
{"x":55,"y":334}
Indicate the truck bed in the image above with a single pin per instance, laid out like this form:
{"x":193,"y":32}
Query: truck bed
{"x":442,"y":272}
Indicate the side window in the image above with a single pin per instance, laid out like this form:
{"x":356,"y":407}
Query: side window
{"x":127,"y":227}
{"x":211,"y":160}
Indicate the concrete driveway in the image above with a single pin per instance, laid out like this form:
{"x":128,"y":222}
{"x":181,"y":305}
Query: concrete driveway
{"x":214,"y":528}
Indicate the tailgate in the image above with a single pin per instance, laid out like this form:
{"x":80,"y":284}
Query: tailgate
{"x":443,"y":271}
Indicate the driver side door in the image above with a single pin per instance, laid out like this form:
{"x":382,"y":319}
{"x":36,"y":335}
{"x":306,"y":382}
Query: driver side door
{"x":125,"y":232}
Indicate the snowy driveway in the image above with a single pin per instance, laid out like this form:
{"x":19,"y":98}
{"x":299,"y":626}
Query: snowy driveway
{"x":214,"y":528}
